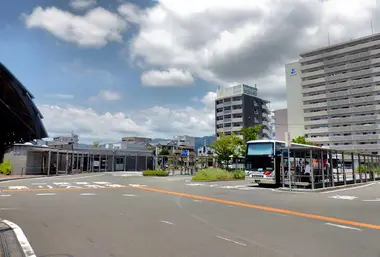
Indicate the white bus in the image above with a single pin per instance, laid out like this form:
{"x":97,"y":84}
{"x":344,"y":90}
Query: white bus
{"x":263,"y":160}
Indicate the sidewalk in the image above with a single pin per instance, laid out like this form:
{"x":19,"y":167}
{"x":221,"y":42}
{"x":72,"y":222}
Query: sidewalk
{"x":17,"y":177}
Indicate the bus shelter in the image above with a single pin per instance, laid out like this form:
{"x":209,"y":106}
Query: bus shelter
{"x":317,"y":167}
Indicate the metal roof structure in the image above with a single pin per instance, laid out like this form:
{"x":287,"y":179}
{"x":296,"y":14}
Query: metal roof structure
{"x":21,"y":119}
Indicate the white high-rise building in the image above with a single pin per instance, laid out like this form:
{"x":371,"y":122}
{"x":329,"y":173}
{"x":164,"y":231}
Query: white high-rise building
{"x":340,"y":87}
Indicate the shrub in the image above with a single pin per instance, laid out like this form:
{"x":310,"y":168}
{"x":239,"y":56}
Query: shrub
{"x":214,"y":174}
{"x":157,"y":173}
{"x":6,"y":168}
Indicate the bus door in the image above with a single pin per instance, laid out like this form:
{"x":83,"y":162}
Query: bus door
{"x":277,"y":169}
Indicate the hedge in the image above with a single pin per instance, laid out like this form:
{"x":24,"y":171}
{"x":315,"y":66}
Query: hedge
{"x":6,"y":168}
{"x":157,"y":173}
{"x":215,"y":174}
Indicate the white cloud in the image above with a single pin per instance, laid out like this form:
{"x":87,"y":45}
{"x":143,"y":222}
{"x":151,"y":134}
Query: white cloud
{"x":106,"y":95}
{"x":94,"y":29}
{"x":156,"y":121}
{"x":241,"y":41}
{"x":171,"y":77}
{"x":82,"y":4}
{"x":60,"y":96}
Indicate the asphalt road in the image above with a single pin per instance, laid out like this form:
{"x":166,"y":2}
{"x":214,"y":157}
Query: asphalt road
{"x":100,"y":215}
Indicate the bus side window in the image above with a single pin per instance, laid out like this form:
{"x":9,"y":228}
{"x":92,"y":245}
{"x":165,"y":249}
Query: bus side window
{"x":278,"y":146}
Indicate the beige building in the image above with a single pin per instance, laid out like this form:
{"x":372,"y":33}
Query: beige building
{"x":281,"y":123}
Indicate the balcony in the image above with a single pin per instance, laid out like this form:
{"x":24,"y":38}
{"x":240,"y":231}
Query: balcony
{"x":369,"y":147}
{"x":353,"y":83}
{"x":314,"y":106}
{"x":351,"y":57}
{"x":315,"y":114}
{"x":227,"y":111}
{"x":218,"y":122}
{"x":265,"y":108}
{"x":237,"y":119}
{"x":220,"y":130}
{"x":319,"y":139}
{"x":236,"y":128}
{"x":365,"y":127}
{"x":307,"y":74}
{"x":316,"y":122}
{"x":311,"y":66}
{"x":227,"y":120}
{"x":266,"y":132}
{"x":235,"y":111}
{"x":313,"y":81}
{"x":314,"y":97}
{"x":338,"y":102}
{"x":316,"y":130}
{"x":353,"y":48}
{"x":348,"y":66}
{"x":237,"y":102}
{"x":340,"y":129}
{"x":313,"y":89}
{"x":368,"y":137}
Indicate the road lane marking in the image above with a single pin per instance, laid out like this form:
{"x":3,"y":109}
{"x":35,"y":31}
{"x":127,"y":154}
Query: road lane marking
{"x":81,"y":183}
{"x":167,"y":222}
{"x":101,"y":183}
{"x":343,"y":197}
{"x":341,"y":226}
{"x":4,"y":195}
{"x":9,"y":209}
{"x":91,"y":176}
{"x":266,"y":208}
{"x":16,"y":188}
{"x":87,"y":194}
{"x":198,"y":201}
{"x":350,"y":188}
{"x":61,"y":188}
{"x":375,"y":200}
{"x":232,"y":241}
{"x":130,"y":195}
{"x":137,"y":185}
{"x":24,"y":243}
{"x":46,"y":194}
{"x":36,"y":184}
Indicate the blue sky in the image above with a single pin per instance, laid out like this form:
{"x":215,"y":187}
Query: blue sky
{"x":114,"y":68}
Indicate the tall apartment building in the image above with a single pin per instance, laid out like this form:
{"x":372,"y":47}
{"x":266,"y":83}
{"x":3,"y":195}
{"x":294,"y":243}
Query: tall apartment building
{"x":281,"y":124}
{"x":341,"y":94}
{"x":237,"y":107}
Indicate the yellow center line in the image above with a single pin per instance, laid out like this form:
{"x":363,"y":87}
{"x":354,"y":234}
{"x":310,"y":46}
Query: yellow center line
{"x":265,"y":208}
{"x":58,"y":189}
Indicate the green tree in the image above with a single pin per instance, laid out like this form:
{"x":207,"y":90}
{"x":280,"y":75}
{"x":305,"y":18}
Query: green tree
{"x":251,"y":133}
{"x":164,"y":152}
{"x":238,"y":145}
{"x":95,"y":144}
{"x":302,"y":140}
{"x":224,"y":147}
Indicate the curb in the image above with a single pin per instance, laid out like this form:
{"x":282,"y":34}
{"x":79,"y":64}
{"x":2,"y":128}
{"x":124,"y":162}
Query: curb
{"x":12,"y":235}
{"x":320,"y":190}
{"x":10,"y":179}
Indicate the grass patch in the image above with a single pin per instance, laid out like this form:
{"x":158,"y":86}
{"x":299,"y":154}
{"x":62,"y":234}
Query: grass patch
{"x":214,"y":174}
{"x":155,"y":173}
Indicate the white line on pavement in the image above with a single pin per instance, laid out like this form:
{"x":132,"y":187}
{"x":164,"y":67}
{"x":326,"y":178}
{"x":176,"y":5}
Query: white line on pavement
{"x":90,"y":176}
{"x":128,"y":195}
{"x":232,"y":241}
{"x":46,"y":194}
{"x":25,"y":245}
{"x":198,"y":201}
{"x":36,"y":184}
{"x":342,"y":226}
{"x":4,"y":195}
{"x":350,"y":188}
{"x":9,"y":209}
{"x":87,"y":194}
{"x":375,"y":200}
{"x":166,"y":222}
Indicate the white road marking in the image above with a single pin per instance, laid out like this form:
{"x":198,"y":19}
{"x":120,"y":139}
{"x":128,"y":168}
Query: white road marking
{"x":166,"y":222}
{"x":198,"y":201}
{"x":25,"y":245}
{"x":40,"y":186}
{"x":343,"y":197}
{"x":17,"y":187}
{"x":350,"y":188}
{"x":87,"y":194}
{"x":35,"y":184}
{"x":114,"y":185}
{"x":195,"y":184}
{"x":375,"y":200}
{"x":72,"y":187}
{"x":4,"y":195}
{"x":342,"y":226}
{"x":81,"y":183}
{"x":91,"y":176}
{"x":130,"y":195}
{"x":94,"y":186}
{"x":9,"y":209}
{"x":232,"y":241}
{"x":137,"y":185}
{"x":101,"y":183}
{"x":61,"y":183}
{"x":46,"y":194}
{"x":49,"y":186}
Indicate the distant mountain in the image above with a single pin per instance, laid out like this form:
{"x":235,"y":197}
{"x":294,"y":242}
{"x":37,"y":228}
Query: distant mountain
{"x":199,"y":141}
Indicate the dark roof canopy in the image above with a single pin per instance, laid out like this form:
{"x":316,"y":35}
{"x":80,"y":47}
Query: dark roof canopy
{"x":20,"y":117}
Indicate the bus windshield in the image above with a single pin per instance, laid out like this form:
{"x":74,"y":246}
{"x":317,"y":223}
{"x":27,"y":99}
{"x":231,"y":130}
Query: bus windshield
{"x":255,"y":149}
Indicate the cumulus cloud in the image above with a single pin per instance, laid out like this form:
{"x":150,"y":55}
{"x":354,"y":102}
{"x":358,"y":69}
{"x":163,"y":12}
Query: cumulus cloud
{"x":94,"y":29}
{"x":106,"y":95}
{"x":82,"y":4}
{"x":170,"y":77}
{"x":229,"y":42}
{"x":156,"y":121}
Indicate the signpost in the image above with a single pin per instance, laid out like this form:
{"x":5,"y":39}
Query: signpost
{"x":288,"y":144}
